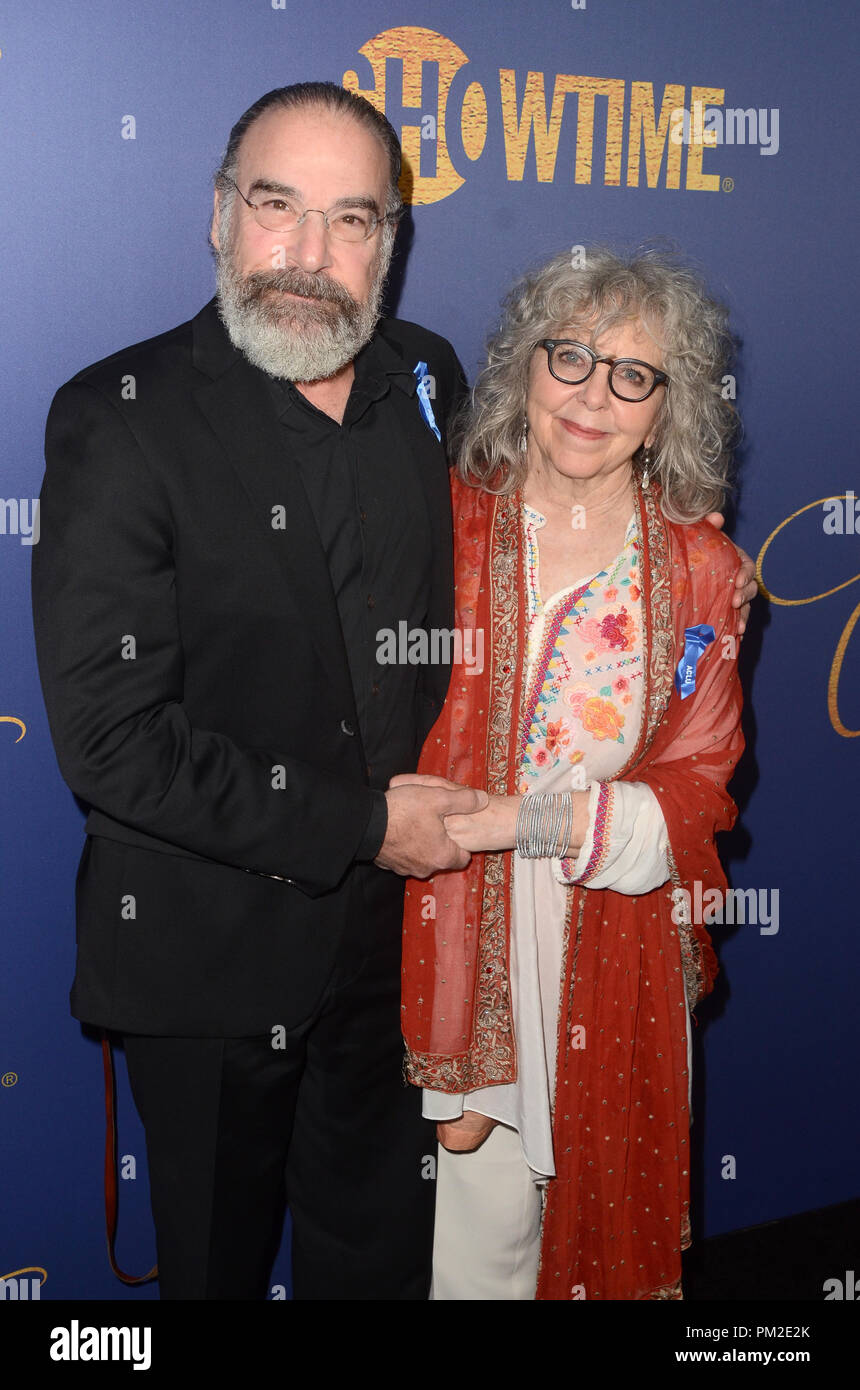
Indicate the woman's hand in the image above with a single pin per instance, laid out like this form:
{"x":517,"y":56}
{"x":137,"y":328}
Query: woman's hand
{"x":465,"y":1134}
{"x":746,"y":586}
{"x":494,"y":828}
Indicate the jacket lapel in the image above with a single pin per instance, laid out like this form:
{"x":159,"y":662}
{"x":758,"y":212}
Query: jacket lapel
{"x":423,"y":452}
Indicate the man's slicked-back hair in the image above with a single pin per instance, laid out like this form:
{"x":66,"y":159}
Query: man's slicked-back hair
{"x":330,"y":97}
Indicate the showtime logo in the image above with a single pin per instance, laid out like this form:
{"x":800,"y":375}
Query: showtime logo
{"x":420,"y":80}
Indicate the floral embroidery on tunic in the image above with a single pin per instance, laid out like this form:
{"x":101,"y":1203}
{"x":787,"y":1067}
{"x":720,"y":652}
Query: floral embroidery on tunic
{"x":585,"y":662}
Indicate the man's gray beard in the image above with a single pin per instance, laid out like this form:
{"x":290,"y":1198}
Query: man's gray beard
{"x":299,"y":339}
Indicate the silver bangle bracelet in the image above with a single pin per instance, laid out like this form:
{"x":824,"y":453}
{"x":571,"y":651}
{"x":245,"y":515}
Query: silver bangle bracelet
{"x":544,"y":825}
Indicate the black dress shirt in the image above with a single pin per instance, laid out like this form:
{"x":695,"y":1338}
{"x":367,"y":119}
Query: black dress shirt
{"x":372,"y":523}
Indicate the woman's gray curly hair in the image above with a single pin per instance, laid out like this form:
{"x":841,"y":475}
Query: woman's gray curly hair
{"x":695,"y":427}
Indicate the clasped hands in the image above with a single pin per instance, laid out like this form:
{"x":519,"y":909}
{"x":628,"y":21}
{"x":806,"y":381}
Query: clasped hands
{"x":436,"y":825}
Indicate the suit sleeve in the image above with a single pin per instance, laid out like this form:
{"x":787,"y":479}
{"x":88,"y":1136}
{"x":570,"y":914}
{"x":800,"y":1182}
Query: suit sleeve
{"x":112,"y":668}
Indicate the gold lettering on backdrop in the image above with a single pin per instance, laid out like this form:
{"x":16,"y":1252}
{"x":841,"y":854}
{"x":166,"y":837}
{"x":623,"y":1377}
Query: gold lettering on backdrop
{"x":28,"y":1269}
{"x":645,"y":127}
{"x":473,"y":121}
{"x":700,"y":97}
{"x":845,"y":637}
{"x":533,"y":116}
{"x":530,"y":120}
{"x":587,"y":88}
{"x":415,"y":46}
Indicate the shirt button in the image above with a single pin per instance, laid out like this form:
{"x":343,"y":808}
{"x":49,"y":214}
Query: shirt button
{"x":371,"y":601}
{"x":369,"y":769}
{"x":363,"y":514}
{"x":374,"y":689}
{"x":347,"y":728}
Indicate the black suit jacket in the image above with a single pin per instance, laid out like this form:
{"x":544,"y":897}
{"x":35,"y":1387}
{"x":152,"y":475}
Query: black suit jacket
{"x":189,"y":651}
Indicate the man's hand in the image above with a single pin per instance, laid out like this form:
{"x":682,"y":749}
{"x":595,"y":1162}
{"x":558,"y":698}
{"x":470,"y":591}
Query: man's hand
{"x":467,"y":1133}
{"x":746,"y":587}
{"x":492,"y":829}
{"x":416,"y":842}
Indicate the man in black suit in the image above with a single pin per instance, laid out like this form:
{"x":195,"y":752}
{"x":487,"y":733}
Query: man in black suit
{"x":231,"y":514}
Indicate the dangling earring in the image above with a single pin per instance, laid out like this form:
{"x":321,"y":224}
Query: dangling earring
{"x":646,"y":459}
{"x":524,"y":437}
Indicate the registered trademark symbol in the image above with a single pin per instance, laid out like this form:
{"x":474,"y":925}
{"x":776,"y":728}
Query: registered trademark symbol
{"x":8,"y":1078}
{"x":727,"y":185}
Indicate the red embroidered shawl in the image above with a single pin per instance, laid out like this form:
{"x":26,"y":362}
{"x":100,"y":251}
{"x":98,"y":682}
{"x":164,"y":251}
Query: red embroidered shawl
{"x":617,"y":1213}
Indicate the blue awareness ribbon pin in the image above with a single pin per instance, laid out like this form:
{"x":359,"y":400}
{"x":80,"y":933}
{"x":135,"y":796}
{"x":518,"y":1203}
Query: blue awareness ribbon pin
{"x":420,"y":371}
{"x":696,"y":639}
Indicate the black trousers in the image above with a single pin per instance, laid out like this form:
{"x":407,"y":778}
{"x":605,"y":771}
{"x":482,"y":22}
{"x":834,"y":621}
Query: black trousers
{"x":236,"y":1128}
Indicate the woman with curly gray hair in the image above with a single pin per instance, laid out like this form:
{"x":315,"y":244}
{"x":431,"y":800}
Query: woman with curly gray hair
{"x":549,"y":1019}
{"x":693,"y":423}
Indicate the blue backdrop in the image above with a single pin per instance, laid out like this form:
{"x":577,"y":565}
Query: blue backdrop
{"x":529,"y":129}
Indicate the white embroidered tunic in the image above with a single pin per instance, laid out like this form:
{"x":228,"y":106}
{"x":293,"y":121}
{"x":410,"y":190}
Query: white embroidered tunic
{"x":584,"y":701}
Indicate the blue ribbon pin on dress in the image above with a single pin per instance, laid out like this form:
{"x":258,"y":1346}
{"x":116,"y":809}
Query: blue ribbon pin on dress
{"x":420,"y":371}
{"x":696,"y":639}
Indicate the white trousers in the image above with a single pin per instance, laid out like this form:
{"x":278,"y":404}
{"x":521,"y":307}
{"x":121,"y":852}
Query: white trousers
{"x":488,"y":1216}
